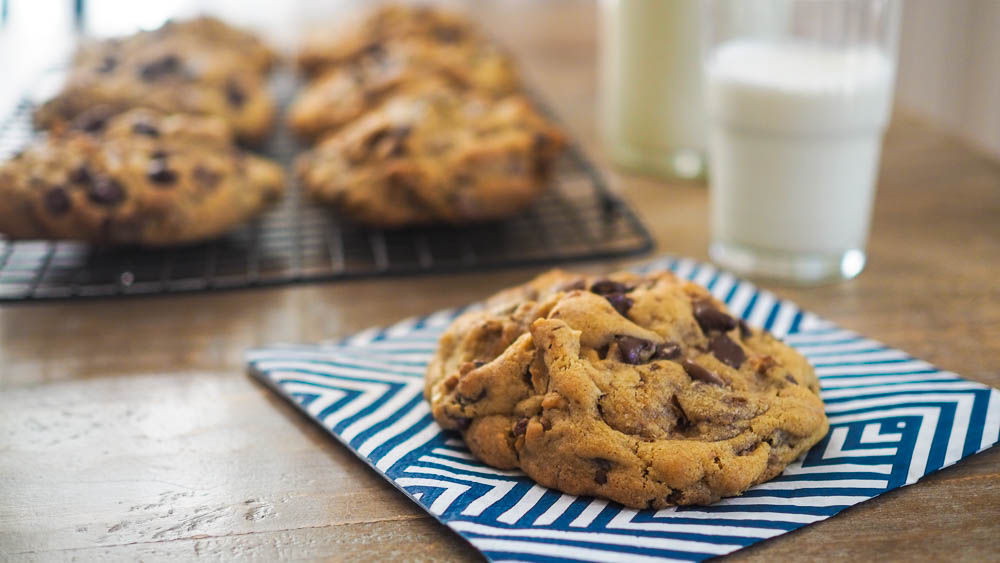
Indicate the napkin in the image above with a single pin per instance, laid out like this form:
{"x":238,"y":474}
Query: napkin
{"x":893,"y":419}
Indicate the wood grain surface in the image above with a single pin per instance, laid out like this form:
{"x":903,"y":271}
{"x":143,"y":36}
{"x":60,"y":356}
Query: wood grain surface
{"x":129,"y":430}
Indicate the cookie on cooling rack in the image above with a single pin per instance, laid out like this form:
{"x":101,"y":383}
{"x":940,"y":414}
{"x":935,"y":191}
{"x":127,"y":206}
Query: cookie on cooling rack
{"x":142,"y":178}
{"x":350,"y":89}
{"x":433,"y":154}
{"x":327,"y":48}
{"x":201,"y":67}
{"x":639,"y":389}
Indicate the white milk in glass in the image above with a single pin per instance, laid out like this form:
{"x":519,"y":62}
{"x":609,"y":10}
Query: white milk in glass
{"x":651,"y":105}
{"x":795,"y":133}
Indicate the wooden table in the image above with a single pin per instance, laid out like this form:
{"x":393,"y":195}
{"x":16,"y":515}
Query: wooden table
{"x":128,"y":428}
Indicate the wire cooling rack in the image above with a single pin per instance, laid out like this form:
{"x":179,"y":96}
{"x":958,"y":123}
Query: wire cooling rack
{"x":298,"y":241}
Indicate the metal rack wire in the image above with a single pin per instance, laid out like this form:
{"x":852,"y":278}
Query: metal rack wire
{"x":298,"y":241}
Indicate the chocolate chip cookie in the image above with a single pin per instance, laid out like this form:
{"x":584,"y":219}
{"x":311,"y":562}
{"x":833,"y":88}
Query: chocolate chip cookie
{"x":347,"y":90}
{"x":640,"y":389}
{"x":181,"y":68}
{"x":435,"y":154}
{"x":327,"y":48}
{"x":141,"y":178}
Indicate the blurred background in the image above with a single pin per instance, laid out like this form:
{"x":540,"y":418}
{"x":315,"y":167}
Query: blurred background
{"x":948,"y":73}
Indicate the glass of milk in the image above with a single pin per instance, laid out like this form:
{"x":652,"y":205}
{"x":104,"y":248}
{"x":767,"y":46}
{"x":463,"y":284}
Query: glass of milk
{"x":798,"y":96}
{"x":651,"y":111}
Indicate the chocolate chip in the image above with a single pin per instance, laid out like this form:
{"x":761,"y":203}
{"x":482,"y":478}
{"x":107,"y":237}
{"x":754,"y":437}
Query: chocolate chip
{"x":726,"y":350}
{"x":608,"y":287}
{"x":709,"y":318}
{"x":745,"y":331}
{"x":206,"y":178}
{"x":447,"y":34}
{"x":145,"y":128}
{"x":159,"y":173}
{"x":635,"y":350}
{"x":479,"y":363}
{"x":520,"y":427}
{"x":540,"y":141}
{"x":106,"y":191}
{"x":699,"y":373}
{"x":791,"y":379}
{"x":108,"y":64}
{"x":667,"y":351}
{"x":91,"y":123}
{"x":374,"y":50}
{"x":57,"y":201}
{"x":621,"y":302}
{"x":462,"y":423}
{"x":80,"y":175}
{"x":601,"y":474}
{"x":158,"y":68}
{"x":235,"y":94}
{"x":602,"y":352}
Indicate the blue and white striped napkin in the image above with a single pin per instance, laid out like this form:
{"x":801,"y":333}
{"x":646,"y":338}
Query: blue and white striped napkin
{"x":893,"y":419}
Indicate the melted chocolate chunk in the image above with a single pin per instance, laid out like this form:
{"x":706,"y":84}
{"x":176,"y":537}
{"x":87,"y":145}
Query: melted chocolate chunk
{"x":158,"y":68}
{"x":57,"y":201}
{"x":235,"y":94}
{"x":108,"y":63}
{"x":447,"y":34}
{"x":608,"y":287}
{"x":91,"y":122}
{"x":145,"y":128}
{"x":374,"y":50}
{"x":80,"y":175}
{"x":709,"y":318}
{"x":726,"y":350}
{"x":699,"y":373}
{"x":745,"y":331}
{"x":106,"y":191}
{"x":520,"y":427}
{"x":791,"y":379}
{"x":601,"y":474}
{"x":159,"y":173}
{"x":667,"y":351}
{"x":635,"y":350}
{"x":621,"y":302}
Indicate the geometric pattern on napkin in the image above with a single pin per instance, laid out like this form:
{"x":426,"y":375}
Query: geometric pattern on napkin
{"x":893,"y":419}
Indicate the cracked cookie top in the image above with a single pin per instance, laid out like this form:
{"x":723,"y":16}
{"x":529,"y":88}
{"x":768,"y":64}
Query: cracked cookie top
{"x":640,"y":389}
